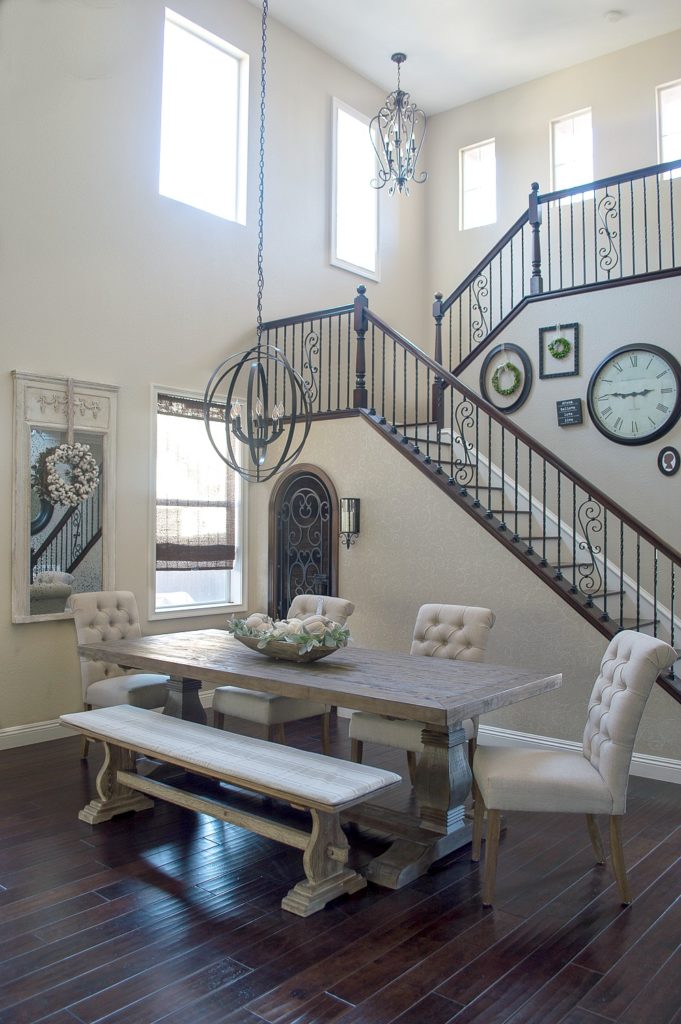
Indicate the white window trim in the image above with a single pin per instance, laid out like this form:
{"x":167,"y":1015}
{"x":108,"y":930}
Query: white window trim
{"x":243,"y":60}
{"x":658,"y":91}
{"x":241,"y":564}
{"x":567,"y":117}
{"x":466,"y":149}
{"x":371,"y":275}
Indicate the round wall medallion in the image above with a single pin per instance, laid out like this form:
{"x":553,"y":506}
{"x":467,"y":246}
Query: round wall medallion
{"x":668,"y":461}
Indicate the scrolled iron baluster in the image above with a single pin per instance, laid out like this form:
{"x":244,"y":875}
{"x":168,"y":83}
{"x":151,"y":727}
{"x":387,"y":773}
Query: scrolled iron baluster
{"x":589,"y":517}
{"x":464,"y":418}
{"x":480,"y":290}
{"x":608,"y":210}
{"x":311,"y":348}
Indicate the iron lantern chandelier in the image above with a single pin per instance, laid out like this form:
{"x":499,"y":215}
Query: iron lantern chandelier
{"x":397,"y":132}
{"x":256,"y":407}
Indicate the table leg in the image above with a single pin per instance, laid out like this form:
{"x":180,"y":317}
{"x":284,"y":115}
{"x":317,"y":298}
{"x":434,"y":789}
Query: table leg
{"x":443,"y":780}
{"x":183,"y":700}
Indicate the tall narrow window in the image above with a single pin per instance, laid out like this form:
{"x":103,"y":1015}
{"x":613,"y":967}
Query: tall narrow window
{"x":477,"y":185}
{"x":669,"y":122}
{"x":204,"y":117}
{"x":572,"y":160}
{"x":354,"y":213}
{"x":198,"y":556}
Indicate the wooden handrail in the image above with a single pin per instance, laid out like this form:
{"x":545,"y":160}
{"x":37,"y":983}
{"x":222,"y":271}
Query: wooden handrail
{"x":468,"y":280}
{"x":301,"y":318}
{"x":448,"y":378}
{"x":614,"y":179}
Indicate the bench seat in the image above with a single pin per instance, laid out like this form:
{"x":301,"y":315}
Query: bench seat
{"x":322,"y":785}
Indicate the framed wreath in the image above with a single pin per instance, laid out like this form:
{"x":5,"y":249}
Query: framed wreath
{"x":559,"y":351}
{"x":66,"y":474}
{"x":506,"y":377}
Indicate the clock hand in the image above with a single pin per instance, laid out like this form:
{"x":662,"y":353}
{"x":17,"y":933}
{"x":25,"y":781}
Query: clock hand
{"x":627,"y":394}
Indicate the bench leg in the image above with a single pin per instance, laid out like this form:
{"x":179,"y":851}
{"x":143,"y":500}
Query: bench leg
{"x":324,"y":860}
{"x":114,"y":798}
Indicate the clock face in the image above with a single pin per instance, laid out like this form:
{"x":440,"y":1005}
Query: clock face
{"x":634,"y":395}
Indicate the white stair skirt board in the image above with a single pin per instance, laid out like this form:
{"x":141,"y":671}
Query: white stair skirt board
{"x":648,"y":766}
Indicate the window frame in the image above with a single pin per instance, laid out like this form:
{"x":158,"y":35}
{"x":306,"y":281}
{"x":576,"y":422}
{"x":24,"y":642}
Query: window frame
{"x":241,"y":530}
{"x":676,"y":84}
{"x":241,"y":129}
{"x":462,"y":190}
{"x":578,"y":197}
{"x":335,"y":260}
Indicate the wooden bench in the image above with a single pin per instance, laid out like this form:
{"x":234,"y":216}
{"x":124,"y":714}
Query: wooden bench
{"x":322,"y":785}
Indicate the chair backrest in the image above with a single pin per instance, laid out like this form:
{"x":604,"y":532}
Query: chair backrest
{"x":336,"y":608}
{"x":455,"y":631}
{"x":104,"y":615}
{"x":629,"y":668}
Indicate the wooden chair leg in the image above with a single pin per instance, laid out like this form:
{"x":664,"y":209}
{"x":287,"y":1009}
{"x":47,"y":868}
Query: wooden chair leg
{"x":356,"y":751}
{"x":478,"y":820}
{"x":218,"y":720}
{"x":619,"y":869}
{"x":491,"y":851}
{"x":595,"y":837}
{"x":411,"y":765}
{"x":472,"y":747}
{"x":276,"y":733}
{"x":326,"y":733}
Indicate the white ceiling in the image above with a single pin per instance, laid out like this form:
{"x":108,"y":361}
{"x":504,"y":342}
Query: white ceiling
{"x":458,"y":51}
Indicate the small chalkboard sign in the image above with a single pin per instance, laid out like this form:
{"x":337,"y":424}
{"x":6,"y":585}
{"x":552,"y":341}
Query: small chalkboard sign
{"x":569,"y":412}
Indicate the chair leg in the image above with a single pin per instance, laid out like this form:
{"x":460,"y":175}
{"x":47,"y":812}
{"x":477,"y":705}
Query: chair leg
{"x":478,"y":819}
{"x":619,"y":869}
{"x":326,"y":732}
{"x":411,"y":765}
{"x":84,"y":741}
{"x":492,"y":849}
{"x":472,"y":747}
{"x":595,"y":837}
{"x":276,"y":733}
{"x":218,"y":720}
{"x":356,"y":751}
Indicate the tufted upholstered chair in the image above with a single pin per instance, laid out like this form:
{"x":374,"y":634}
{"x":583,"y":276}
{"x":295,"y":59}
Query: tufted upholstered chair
{"x":268,"y":709}
{"x":453,"y":631}
{"x":591,"y":781}
{"x":112,"y":615}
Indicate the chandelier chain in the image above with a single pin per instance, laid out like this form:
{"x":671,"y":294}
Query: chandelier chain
{"x":261,"y":166}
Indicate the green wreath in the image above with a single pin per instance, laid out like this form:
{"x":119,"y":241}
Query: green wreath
{"x":496,"y":379}
{"x":560,"y":348}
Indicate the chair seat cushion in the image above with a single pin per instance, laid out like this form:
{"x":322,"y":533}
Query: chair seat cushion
{"x":141,"y":689}
{"x":263,"y":708}
{"x":394,"y":732}
{"x":516,"y":779}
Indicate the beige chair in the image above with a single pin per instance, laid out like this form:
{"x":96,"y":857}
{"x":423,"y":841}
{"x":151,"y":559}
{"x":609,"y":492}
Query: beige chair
{"x":112,"y":615}
{"x":269,"y":710}
{"x":591,"y":781}
{"x":449,"y":631}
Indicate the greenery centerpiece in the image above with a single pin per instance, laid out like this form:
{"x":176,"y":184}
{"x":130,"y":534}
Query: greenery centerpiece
{"x":308,"y":639}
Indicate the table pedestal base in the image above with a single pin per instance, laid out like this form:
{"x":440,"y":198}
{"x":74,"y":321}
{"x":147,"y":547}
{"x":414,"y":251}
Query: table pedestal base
{"x":183,"y":700}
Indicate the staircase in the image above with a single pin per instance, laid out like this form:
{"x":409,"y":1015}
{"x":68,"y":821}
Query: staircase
{"x":605,"y":564}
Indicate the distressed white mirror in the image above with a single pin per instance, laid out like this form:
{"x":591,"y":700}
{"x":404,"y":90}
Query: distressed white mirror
{"x":64,"y":459}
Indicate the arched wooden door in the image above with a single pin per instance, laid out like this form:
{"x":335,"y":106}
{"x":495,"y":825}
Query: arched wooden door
{"x":303,"y":541}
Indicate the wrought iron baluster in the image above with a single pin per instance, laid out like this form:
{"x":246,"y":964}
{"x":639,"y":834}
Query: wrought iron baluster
{"x":501,"y":285}
{"x":394,"y":415}
{"x":372,"y":404}
{"x":619,"y":207}
{"x":671,"y":217}
{"x":404,"y":395}
{"x":655,"y":579}
{"x":672,"y":640}
{"x":659,"y":222}
{"x":415,"y":445}
{"x":503,"y":478}
{"x":595,"y":237}
{"x":573,"y":587}
{"x":621,"y":582}
{"x":558,"y":572}
{"x":383,"y":364}
{"x":582,"y":204}
{"x":543,"y":515}
{"x":530,"y":518}
{"x":523,"y":268}
{"x":489,"y":465}
{"x":638,"y":581}
{"x":459,"y":304}
{"x":633,"y":227}
{"x":560,"y":244}
{"x":338,"y":367}
{"x":590,"y":525}
{"x":512,"y":269}
{"x":645,"y":223}
{"x":605,"y":561}
{"x":572,"y":243}
{"x":549,"y":241}
{"x":516,"y":532}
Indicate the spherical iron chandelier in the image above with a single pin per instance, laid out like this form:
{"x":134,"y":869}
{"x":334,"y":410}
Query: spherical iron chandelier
{"x":397,"y":132}
{"x":256,"y":407}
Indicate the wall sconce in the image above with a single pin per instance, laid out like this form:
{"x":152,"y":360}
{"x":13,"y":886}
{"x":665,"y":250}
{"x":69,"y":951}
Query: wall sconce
{"x":349,"y":520}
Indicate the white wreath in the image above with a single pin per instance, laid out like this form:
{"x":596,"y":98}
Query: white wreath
{"x":82,"y":474}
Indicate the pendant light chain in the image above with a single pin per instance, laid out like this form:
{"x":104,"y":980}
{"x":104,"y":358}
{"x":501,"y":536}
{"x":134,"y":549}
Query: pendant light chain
{"x":261,"y":167}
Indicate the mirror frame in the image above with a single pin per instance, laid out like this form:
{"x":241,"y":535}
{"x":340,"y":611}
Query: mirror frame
{"x":42,"y":402}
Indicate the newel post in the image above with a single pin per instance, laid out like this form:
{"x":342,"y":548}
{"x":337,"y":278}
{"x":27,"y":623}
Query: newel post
{"x":360,"y":397}
{"x":534,"y":211}
{"x":437,"y":386}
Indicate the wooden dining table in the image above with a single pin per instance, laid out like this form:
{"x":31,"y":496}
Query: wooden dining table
{"x":438,"y":692}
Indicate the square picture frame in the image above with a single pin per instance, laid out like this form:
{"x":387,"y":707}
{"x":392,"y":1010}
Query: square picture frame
{"x":558,"y":365}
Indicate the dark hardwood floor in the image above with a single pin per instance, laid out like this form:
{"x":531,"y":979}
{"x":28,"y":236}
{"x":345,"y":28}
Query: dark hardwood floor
{"x":167,"y":916}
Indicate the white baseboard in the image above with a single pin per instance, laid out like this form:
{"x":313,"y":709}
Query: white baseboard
{"x":648,"y":766}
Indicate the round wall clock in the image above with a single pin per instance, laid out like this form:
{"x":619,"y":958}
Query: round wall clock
{"x":506,"y":377}
{"x":634,"y":395}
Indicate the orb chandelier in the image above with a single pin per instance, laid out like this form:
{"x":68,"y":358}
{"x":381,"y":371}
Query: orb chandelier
{"x":397,"y":132}
{"x":256,"y":407}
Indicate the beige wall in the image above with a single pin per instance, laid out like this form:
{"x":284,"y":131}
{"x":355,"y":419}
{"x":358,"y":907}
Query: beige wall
{"x":416,"y":546}
{"x":619,"y":88}
{"x":103,"y":279}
